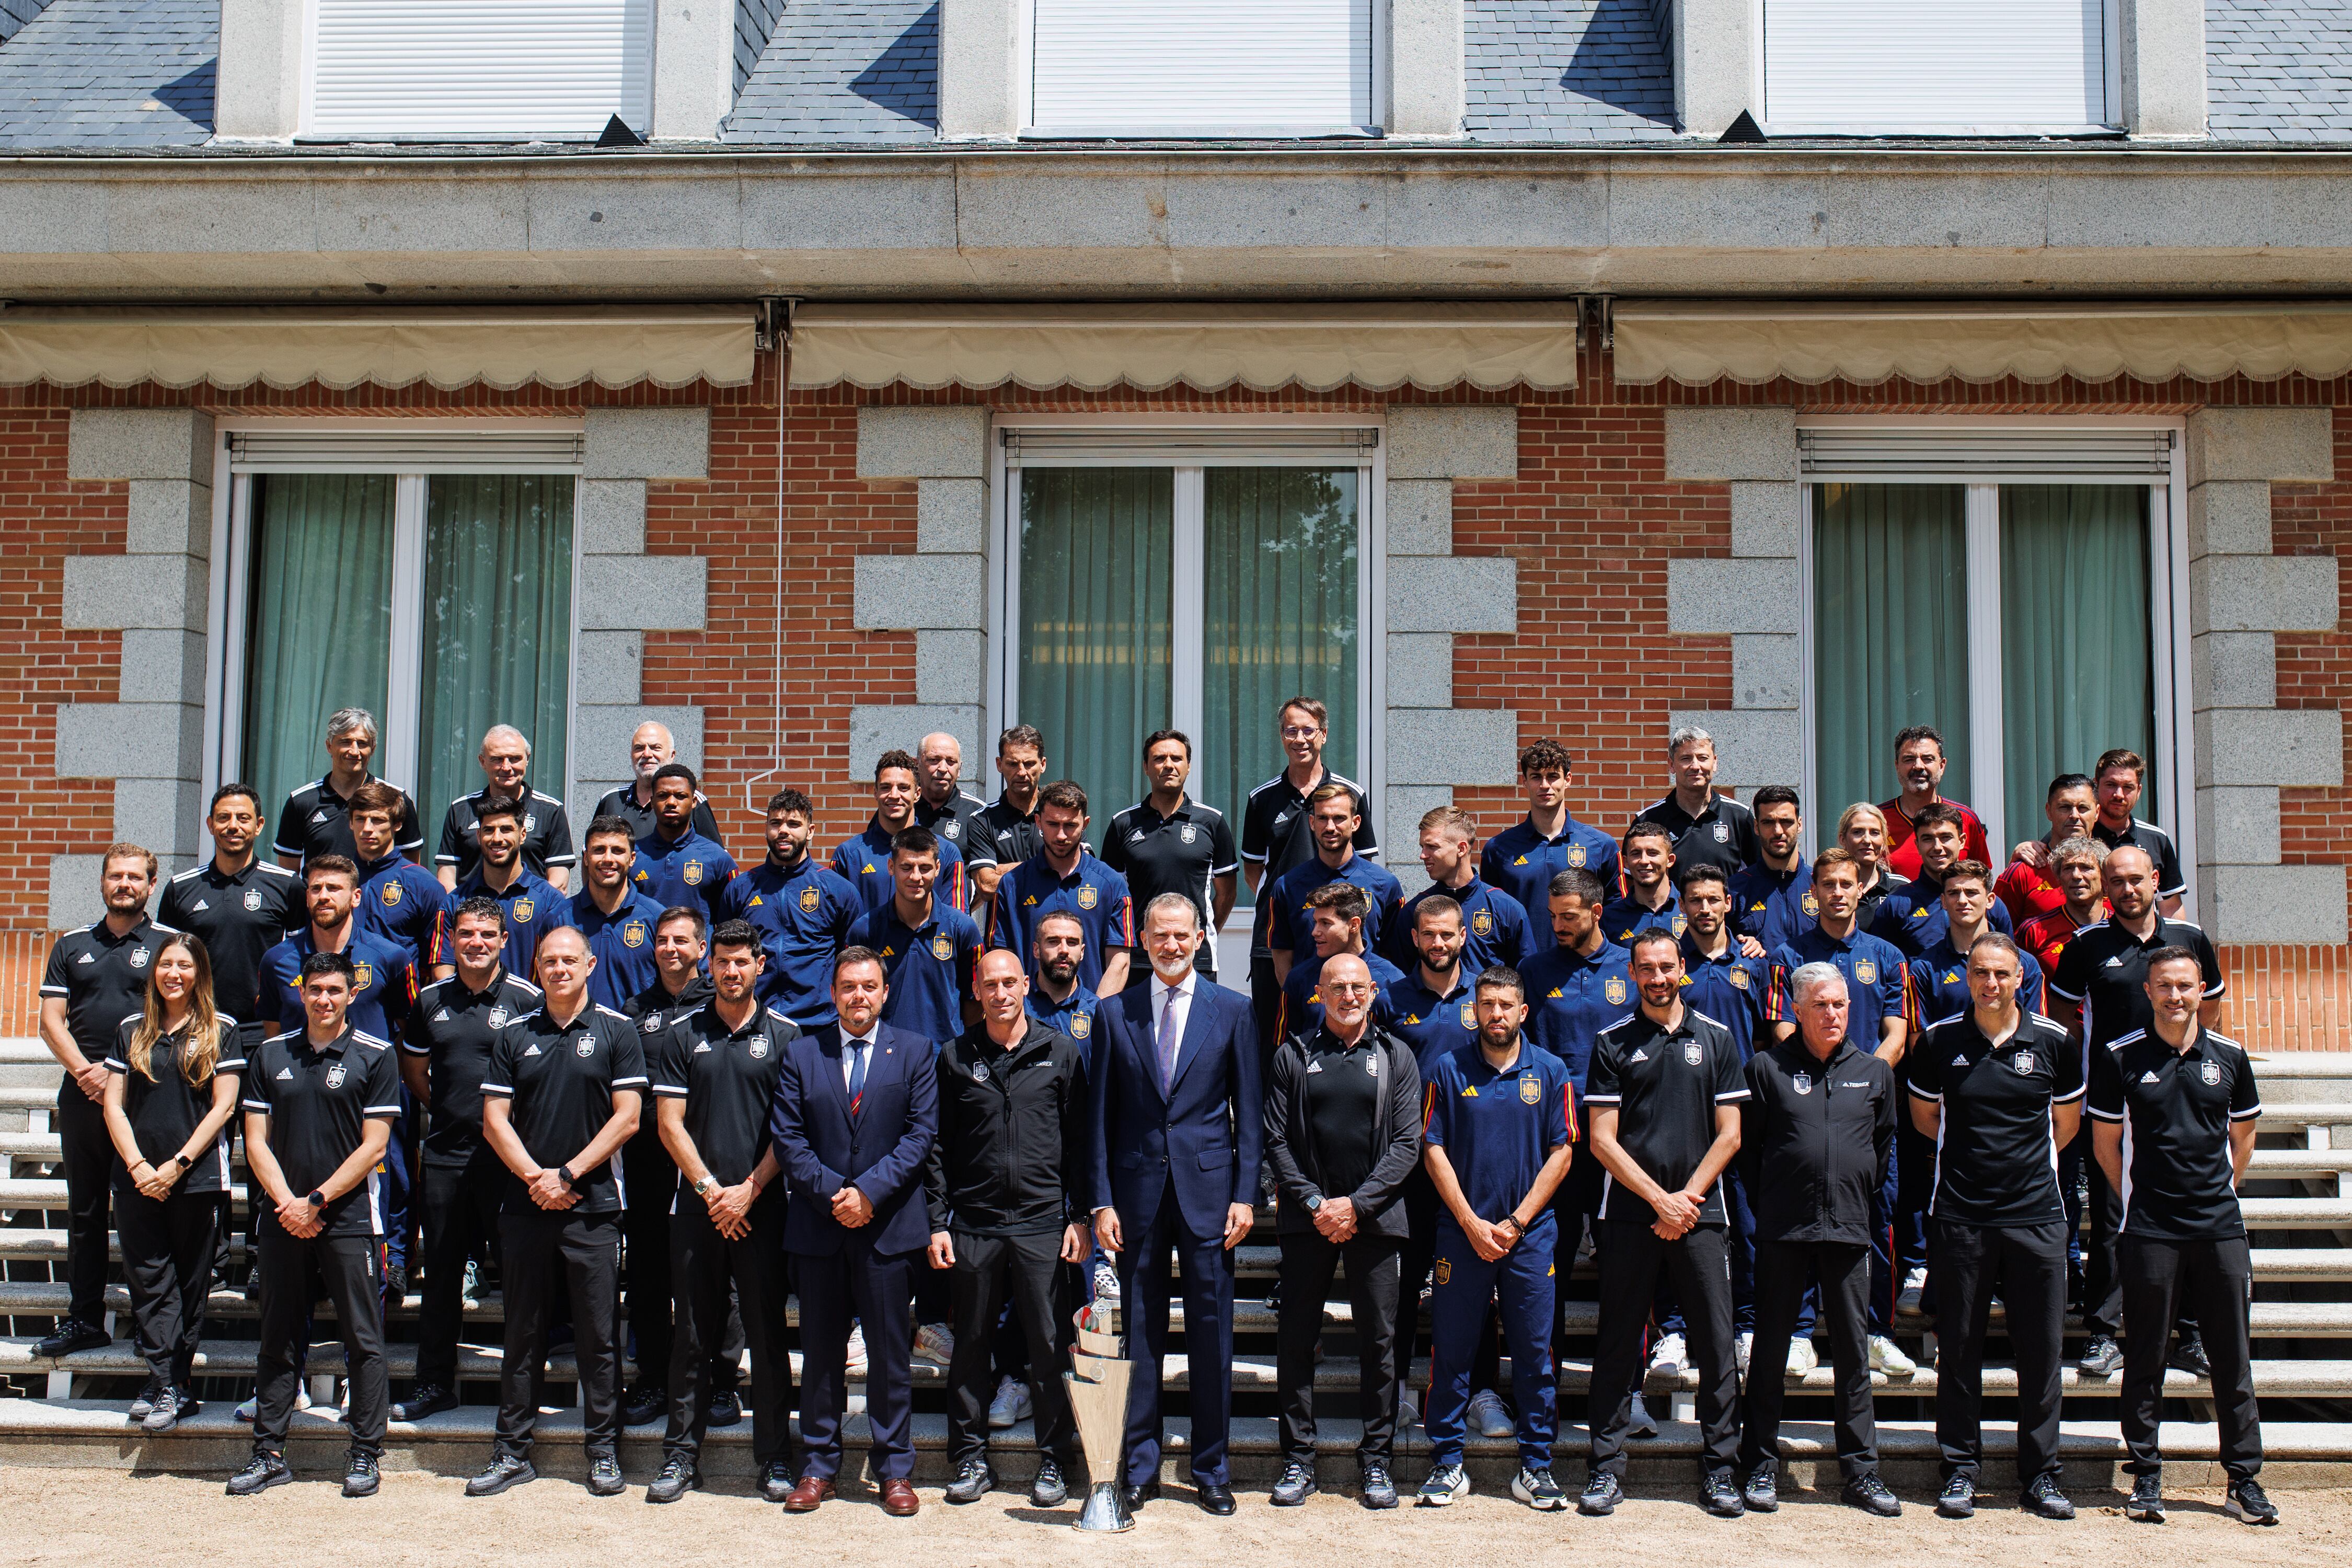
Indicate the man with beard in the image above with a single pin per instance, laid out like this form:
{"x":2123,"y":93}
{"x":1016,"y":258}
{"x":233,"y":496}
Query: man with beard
{"x":803,"y":911}
{"x":650,"y":746}
{"x":533,"y":906}
{"x":617,"y":919}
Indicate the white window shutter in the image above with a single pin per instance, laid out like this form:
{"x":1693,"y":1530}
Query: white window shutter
{"x":1981,"y":66}
{"x":515,"y":68}
{"x":1191,"y":67}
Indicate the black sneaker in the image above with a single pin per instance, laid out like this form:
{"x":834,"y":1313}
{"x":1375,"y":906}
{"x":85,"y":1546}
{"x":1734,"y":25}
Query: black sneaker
{"x":643,"y":1404}
{"x":2101,"y":1357}
{"x":504,"y":1471}
{"x":1870,"y":1494}
{"x":1601,"y":1497}
{"x":2189,"y":1355}
{"x":1047,"y":1488}
{"x":1721,"y":1497}
{"x":776,"y":1480}
{"x":260,"y":1473}
{"x":2146,"y":1500}
{"x":726,"y":1408}
{"x":146,"y":1400}
{"x":2045,"y":1500}
{"x":605,"y":1476}
{"x":396,"y":1281}
{"x":678,"y":1478}
{"x":73,"y":1335}
{"x":1957,"y":1499}
{"x":1762,"y":1492}
{"x":360,"y":1476}
{"x":429,"y":1399}
{"x":1296,"y":1485}
{"x":974,"y":1480}
{"x":2248,"y":1502}
{"x":1377,"y":1488}
{"x":1643,"y":1424}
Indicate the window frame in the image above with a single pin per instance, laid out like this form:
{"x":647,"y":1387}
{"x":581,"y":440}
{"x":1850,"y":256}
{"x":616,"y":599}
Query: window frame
{"x":226,"y":644}
{"x":2112,"y":91}
{"x":2169,"y":794}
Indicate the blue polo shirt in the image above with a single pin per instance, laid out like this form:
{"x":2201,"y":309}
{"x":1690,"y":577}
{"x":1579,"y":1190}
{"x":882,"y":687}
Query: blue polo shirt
{"x":1939,"y":985}
{"x":1622,"y":918}
{"x":693,"y":872}
{"x":1773,"y":906}
{"x":1571,"y":998}
{"x":622,"y":943}
{"x":1434,"y":1026}
{"x":1877,"y":980}
{"x":1499,"y":1128}
{"x":1494,"y":929}
{"x":863,"y":862}
{"x":929,"y":967}
{"x":1094,"y":893}
{"x":1731,"y":990}
{"x":1912,"y":916}
{"x":381,"y":992}
{"x":1522,"y":862}
{"x":804,"y":914}
{"x":1290,"y":924}
{"x":401,"y":902}
{"x":1302,"y":994}
{"x":1074,"y":1017}
{"x":533,"y":908}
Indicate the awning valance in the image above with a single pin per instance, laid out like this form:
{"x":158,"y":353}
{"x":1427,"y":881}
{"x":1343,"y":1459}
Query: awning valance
{"x":1697,"y":343}
{"x":286,"y":346}
{"x":1205,"y":346}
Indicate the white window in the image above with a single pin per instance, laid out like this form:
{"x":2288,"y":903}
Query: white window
{"x":1202,"y":68}
{"x":1936,"y":67}
{"x":517,"y":69}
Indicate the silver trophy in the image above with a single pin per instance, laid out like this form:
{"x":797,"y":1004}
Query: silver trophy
{"x":1098,"y":1381}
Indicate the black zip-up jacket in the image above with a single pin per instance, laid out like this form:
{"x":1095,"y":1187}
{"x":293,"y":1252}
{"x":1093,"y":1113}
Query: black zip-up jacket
{"x":1290,"y":1138}
{"x":1010,"y":1159}
{"x":1813,"y":1138}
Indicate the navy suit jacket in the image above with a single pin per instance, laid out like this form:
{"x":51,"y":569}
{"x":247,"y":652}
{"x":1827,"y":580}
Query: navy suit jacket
{"x":881,"y":1152}
{"x":1204,"y":1139}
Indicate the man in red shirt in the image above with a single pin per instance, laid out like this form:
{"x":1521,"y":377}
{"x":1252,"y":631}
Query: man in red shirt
{"x":2075,"y":863}
{"x":2029,"y":888}
{"x":1920,"y":764}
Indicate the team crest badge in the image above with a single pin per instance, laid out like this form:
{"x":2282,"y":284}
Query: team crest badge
{"x":1088,"y":897}
{"x":1681,"y":925}
{"x":2211,"y":1073}
{"x":139,"y":956}
{"x":634,"y":934}
{"x":253,"y":898}
{"x":1445,"y":1271}
{"x":1693,"y":1052}
{"x":1187,"y":834}
{"x":1482,"y":924}
{"x":362,"y":977}
{"x":1081,"y":1026}
{"x":1802,"y":1082}
{"x":942,"y":948}
{"x":2023,"y":1061}
{"x":531,"y":825}
{"x":693,"y":873}
{"x":335,"y":1076}
{"x":1812,"y":905}
{"x":1576,"y":857}
{"x":1469,"y":1016}
{"x":810,"y":898}
{"x":1372,"y":1066}
{"x":585,"y":1047}
{"x":391,"y":895}
{"x":498,"y":1016}
{"x":1865,"y":972}
{"x":980,"y":1072}
{"x":759,"y":1049}
{"x":651,"y":1023}
{"x":1738,"y":978}
{"x":1616,"y":989}
{"x":523,"y":911}
{"x":1530,"y":1090}
{"x":1723,"y":833}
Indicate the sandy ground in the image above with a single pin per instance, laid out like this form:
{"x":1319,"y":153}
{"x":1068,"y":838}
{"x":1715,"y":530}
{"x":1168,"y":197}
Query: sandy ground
{"x":80,"y":1517}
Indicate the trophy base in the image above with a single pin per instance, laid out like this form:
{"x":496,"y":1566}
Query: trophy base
{"x":1106,"y":1509}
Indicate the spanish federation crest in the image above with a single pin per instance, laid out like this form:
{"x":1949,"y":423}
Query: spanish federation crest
{"x":1088,"y":897}
{"x":1614,"y":990}
{"x":1080,"y":1025}
{"x":810,"y":898}
{"x":1723,"y":833}
{"x":335,"y":1076}
{"x":1482,"y":923}
{"x":362,"y":977}
{"x":139,"y":956}
{"x":1865,"y":972}
{"x":2023,"y":1061}
{"x":1187,"y":834}
{"x":759,"y":1047}
{"x":1575,"y":856}
{"x":585,"y":1047}
{"x":1802,"y":1082}
{"x":391,"y":895}
{"x":633,"y":934}
{"x":253,"y":898}
{"x":523,"y":911}
{"x":1812,"y":905}
{"x":1693,"y":1052}
{"x":1469,"y":1016}
{"x":651,"y":1023}
{"x":498,"y":1016}
{"x":943,"y":947}
{"x":1738,"y":978}
{"x":980,"y":1072}
{"x":1530,"y":1090}
{"x":693,"y":873}
{"x":2211,"y":1073}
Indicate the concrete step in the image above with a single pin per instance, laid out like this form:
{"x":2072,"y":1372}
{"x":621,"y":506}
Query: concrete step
{"x":2281,"y":1114}
{"x":2276,"y":1162}
{"x":32,"y":1193}
{"x":28,"y":1096}
{"x":43,"y":1148}
{"x":2296,"y":1213}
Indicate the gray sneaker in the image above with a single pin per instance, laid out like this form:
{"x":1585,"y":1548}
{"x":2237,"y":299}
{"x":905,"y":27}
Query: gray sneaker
{"x":1959,"y":1499}
{"x":1379,"y":1490}
{"x":504,"y":1471}
{"x":1296,"y":1485}
{"x":2045,"y":1500}
{"x":1442,"y":1485}
{"x":1762,"y":1492}
{"x":146,"y":1400}
{"x":1872,"y":1495}
{"x":1602,"y":1495}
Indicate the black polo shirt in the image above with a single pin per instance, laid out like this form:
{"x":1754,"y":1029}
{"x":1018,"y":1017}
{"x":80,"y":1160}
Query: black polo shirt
{"x":453,"y":1027}
{"x":1666,"y":1087}
{"x":728,"y":1079}
{"x":1342,"y":1086}
{"x":623,"y":803}
{"x":1996,"y":1155}
{"x":1813,"y":1138}
{"x":1723,"y":835}
{"x":2105,"y":967}
{"x":2176,"y":1108}
{"x":318,"y":1101}
{"x":562,"y":1082}
{"x":1274,"y":835}
{"x":1179,"y":853}
{"x":960,"y":822}
{"x":165,"y":1110}
{"x":2148,"y":836}
{"x":239,"y":918}
{"x":103,"y":978}
{"x":316,"y":821}
{"x":546,"y":833}
{"x":1009,"y":1157}
{"x":653,"y":1009}
{"x":1012,"y":833}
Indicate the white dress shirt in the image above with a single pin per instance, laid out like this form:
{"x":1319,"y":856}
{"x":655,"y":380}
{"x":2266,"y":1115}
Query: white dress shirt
{"x":849,"y":1050}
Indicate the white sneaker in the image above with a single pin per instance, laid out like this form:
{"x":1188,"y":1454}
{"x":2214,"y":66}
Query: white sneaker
{"x":1010,"y":1406}
{"x":1746,"y":1342}
{"x":1486,"y":1416}
{"x":1106,"y":1283}
{"x":1408,"y":1411}
{"x":934,"y":1343}
{"x":1915,"y":1280}
{"x":252,"y":1407}
{"x":1668,"y":1354}
{"x":1801,"y":1359}
{"x":857,"y":1367}
{"x":1886,"y":1357}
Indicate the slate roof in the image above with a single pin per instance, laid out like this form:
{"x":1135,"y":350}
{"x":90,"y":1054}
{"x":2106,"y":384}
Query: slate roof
{"x":2278,"y":70}
{"x":108,"y":74}
{"x":845,"y":71}
{"x":1566,"y":71}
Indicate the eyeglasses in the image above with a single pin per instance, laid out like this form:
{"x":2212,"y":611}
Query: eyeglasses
{"x":1301,"y":731}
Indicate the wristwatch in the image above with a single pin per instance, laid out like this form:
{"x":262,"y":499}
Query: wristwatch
{"x":1314,"y":1202}
{"x":705,"y":1187}
{"x":569,"y":1179}
{"x":317,"y":1200}
{"x":1513,"y":1220}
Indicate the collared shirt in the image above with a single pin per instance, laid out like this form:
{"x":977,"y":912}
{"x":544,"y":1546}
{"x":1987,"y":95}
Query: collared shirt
{"x":1073,"y":1016}
{"x":1183,"y":852}
{"x":546,"y":833}
{"x":532,"y":906}
{"x":863,"y":862}
{"x":400,"y":901}
{"x":728,"y":1079}
{"x":1666,"y":1086}
{"x":1302,"y":992}
{"x":1571,"y":998}
{"x":561,"y":1079}
{"x":857,"y":1049}
{"x":1499,"y":1128}
{"x":1903,"y":849}
{"x":1094,"y":893}
{"x":1274,"y":835}
{"x":693,"y":872}
{"x":453,"y":1027}
{"x":655,"y":1008}
{"x":316,"y":821}
{"x":1878,"y":979}
{"x":802,"y":913}
{"x":1163,"y":1019}
{"x":958,"y":820}
{"x":1722,"y":835}
{"x":1622,"y":919}
{"x":2104,"y":970}
{"x":2148,"y":836}
{"x":2046,"y":936}
{"x":1290,"y":919}
{"x":238,"y":918}
{"x":1012,"y":832}
{"x":1522,"y":863}
{"x":2027,"y":892}
{"x":103,"y":978}
{"x":1773,"y":906}
{"x":621,"y":942}
{"x":1912,"y":916}
{"x":165,"y":1109}
{"x":1342,"y":1085}
{"x":623,"y":803}
{"x":1996,"y":1154}
{"x":2176,"y":1107}
{"x":319,"y":1099}
{"x":1434,"y":1026}
{"x":1939,"y":985}
{"x":1730,"y":988}
{"x":383,"y":982}
{"x":1493,"y":928}
{"x":1813,"y":1142}
{"x":1010,"y":1156}
{"x":929,"y":967}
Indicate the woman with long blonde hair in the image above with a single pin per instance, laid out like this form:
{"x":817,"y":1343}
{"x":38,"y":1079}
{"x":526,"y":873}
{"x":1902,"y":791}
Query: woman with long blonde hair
{"x":1862,"y":833}
{"x":171,"y":1092}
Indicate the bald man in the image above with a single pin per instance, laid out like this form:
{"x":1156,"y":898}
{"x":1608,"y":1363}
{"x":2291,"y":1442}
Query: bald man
{"x":505,"y":759}
{"x":651,"y":746}
{"x":953,"y":812}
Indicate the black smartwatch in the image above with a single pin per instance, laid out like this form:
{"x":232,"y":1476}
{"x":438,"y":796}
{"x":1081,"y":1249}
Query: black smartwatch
{"x":1314,"y":1202}
{"x":569,"y":1179}
{"x":317,"y":1200}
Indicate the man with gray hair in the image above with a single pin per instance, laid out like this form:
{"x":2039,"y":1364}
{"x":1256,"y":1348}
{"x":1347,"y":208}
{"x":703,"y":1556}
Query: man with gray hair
{"x":315,"y":819}
{"x":547,"y":848}
{"x":651,"y":748}
{"x":1820,"y":1116}
{"x":1709,"y":828}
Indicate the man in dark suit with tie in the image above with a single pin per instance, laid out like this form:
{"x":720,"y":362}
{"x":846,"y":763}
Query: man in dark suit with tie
{"x":1173,"y":1159}
{"x":856,"y":1109}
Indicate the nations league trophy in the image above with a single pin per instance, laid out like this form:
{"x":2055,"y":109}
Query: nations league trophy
{"x":1097,"y":1382}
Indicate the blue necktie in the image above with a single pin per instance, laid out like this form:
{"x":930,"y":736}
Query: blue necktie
{"x":856,"y":1074}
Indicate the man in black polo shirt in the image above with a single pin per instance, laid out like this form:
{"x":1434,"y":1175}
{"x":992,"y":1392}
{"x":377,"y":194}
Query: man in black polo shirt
{"x":546,"y":832}
{"x":313,"y":819}
{"x":2118,"y":778}
{"x":2173,"y":1109}
{"x":1708,"y":829}
{"x":1999,"y":1090}
{"x":1171,"y":843}
{"x":651,"y":748}
{"x":1276,"y":839}
{"x":559,"y":1100}
{"x":1663,"y":1095}
{"x":240,"y":905}
{"x":444,"y":1053}
{"x":1011,"y":818}
{"x":319,"y":1108}
{"x":2100,"y":993}
{"x":96,"y":977}
{"x":714,"y":1079}
{"x":953,"y":812}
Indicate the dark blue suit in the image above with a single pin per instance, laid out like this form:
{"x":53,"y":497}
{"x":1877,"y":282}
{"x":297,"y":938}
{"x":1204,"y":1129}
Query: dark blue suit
{"x":866,"y":1273}
{"x":1182,"y":1158}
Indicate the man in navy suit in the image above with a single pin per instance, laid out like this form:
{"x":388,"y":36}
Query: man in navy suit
{"x":1177,"y":1096}
{"x":856,"y":1109}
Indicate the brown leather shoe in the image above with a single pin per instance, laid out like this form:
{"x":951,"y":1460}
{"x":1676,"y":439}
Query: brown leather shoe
{"x":811,"y":1491}
{"x":898,"y":1498}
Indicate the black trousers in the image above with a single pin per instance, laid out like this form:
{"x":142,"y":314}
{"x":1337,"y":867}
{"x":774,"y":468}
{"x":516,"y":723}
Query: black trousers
{"x":1030,"y":1270}
{"x":460,"y":1204}
{"x":2161,"y":1279}
{"x":1374,"y":1265}
{"x":710,"y":1273}
{"x":879,"y":1289}
{"x":351,"y":1270}
{"x":1266,"y":1003}
{"x":1632,"y":1257}
{"x":1782,"y":1271}
{"x":534,"y":1243}
{"x":651,"y":1180}
{"x":90,"y":1168}
{"x":2026,"y":1265}
{"x":167,"y":1259}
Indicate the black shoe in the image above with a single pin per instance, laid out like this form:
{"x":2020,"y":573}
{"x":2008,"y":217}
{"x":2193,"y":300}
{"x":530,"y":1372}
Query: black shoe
{"x":2146,"y":1500}
{"x":605,"y":1476}
{"x":726,"y":1408}
{"x":2044,"y":1499}
{"x":146,"y":1400}
{"x":1139,"y":1493}
{"x":1762,"y":1492}
{"x":678,"y":1478}
{"x":1047,"y":1488}
{"x":1959,"y":1499}
{"x":776,"y":1480}
{"x":1870,"y":1494}
{"x":974,"y":1480}
{"x":73,"y":1335}
{"x":2189,"y":1355}
{"x":1600,"y":1496}
{"x":1642,"y":1423}
{"x":1214,"y":1497}
{"x":1377,"y":1488}
{"x":643,"y":1404}
{"x":359,"y":1479}
{"x":1296,"y":1485}
{"x":2101,"y":1357}
{"x":396,"y":1281}
{"x":260,"y":1473}
{"x":2248,"y":1502}
{"x":504,"y":1471}
{"x":1721,"y":1497}
{"x":429,"y":1399}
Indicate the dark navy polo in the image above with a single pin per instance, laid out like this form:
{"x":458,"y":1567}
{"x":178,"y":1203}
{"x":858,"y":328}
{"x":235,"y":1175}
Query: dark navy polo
{"x":1498,"y":1128}
{"x":622,"y":943}
{"x":1302,"y":993}
{"x":1731,"y":989}
{"x":693,"y":872}
{"x":1939,"y":985}
{"x":533,"y":908}
{"x":1092,"y":892}
{"x":383,"y":984}
{"x":802,"y":914}
{"x":1623,"y":918}
{"x":1290,"y":921}
{"x":1571,"y":998}
{"x":1522,"y":863}
{"x":863,"y":862}
{"x":1433,"y":1026}
{"x":399,"y":900}
{"x":1877,"y":980}
{"x":1274,"y":835}
{"x":1073,"y":1016}
{"x":929,"y":967}
{"x":623,"y":803}
{"x":1912,"y":916}
{"x":1773,"y":906}
{"x":1493,"y":928}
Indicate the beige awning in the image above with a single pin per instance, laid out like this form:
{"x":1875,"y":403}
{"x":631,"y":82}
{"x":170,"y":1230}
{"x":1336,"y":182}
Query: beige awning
{"x":1699,"y":343}
{"x":286,"y":346}
{"x":1208,"y":347}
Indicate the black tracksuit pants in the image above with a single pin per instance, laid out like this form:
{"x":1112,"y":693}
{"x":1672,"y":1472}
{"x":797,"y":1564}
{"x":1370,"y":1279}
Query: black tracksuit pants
{"x":536,"y":1243}
{"x":1029,"y":1270}
{"x":710,"y":1273}
{"x":2026,"y":1265}
{"x":350,"y":1267}
{"x":90,"y":1167}
{"x":655,"y":1307}
{"x":1308,"y":1262}
{"x":1783,"y":1269}
{"x":1632,"y":1257}
{"x":2161,"y":1279}
{"x":167,"y":1259}
{"x":460,"y":1213}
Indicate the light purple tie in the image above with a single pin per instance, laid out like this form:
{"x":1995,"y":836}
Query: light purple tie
{"x":1169,"y":1040}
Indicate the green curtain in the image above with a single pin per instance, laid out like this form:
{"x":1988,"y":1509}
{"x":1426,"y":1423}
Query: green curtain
{"x":1890,"y":635}
{"x":2075,"y":673}
{"x":1281,"y":617}
{"x":1098,"y":554}
{"x":497,"y":627}
{"x":320,"y":613}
